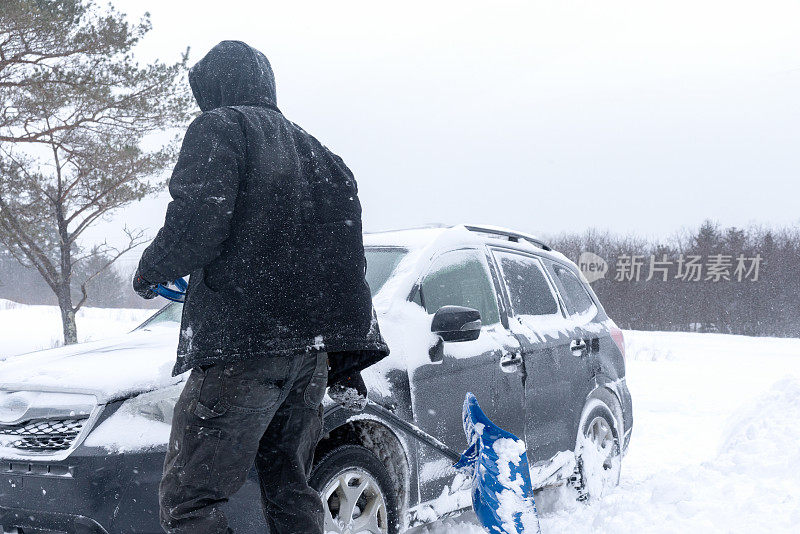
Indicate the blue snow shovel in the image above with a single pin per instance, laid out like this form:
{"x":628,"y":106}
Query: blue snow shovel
{"x":174,"y":291}
{"x":502,"y":493}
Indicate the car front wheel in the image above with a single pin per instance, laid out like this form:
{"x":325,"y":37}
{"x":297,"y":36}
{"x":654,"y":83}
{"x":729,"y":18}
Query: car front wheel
{"x":357,"y":492}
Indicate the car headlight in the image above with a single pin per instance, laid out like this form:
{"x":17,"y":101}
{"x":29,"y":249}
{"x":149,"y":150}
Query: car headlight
{"x":14,"y":404}
{"x":18,"y":406}
{"x":141,"y":422}
{"x":156,"y":405}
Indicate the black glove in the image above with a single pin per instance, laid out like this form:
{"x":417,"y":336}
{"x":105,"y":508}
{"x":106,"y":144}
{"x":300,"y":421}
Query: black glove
{"x":350,"y":391}
{"x":143,"y":288}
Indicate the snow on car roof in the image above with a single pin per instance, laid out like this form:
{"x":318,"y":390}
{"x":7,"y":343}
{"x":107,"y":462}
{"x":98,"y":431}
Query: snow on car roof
{"x":438,"y":236}
{"x":411,"y":238}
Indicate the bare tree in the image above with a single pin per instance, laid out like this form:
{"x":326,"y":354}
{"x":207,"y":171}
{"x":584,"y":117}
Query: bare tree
{"x":75,"y":107}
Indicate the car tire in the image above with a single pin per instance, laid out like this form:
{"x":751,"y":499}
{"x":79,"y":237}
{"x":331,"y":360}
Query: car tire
{"x":598,"y":449}
{"x":357,"y":491}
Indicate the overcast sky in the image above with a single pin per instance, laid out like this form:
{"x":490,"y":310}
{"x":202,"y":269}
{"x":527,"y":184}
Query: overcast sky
{"x":634,"y":116}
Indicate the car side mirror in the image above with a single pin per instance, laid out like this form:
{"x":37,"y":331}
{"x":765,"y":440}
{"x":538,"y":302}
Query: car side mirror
{"x":457,"y":323}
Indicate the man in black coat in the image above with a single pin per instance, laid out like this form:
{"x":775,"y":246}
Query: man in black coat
{"x":267,"y":222}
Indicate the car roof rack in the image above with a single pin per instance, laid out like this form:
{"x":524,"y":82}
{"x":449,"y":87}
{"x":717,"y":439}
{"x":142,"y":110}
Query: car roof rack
{"x":509,"y":235}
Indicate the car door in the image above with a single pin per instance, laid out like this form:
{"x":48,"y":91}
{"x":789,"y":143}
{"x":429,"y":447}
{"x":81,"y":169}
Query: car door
{"x":463,"y":278}
{"x":539,"y":320}
{"x":581,"y":310}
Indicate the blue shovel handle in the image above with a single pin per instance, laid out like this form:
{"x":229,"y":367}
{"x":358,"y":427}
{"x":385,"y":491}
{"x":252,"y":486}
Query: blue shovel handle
{"x":175,"y":295}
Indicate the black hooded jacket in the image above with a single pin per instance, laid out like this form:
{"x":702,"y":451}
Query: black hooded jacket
{"x":268,"y":223}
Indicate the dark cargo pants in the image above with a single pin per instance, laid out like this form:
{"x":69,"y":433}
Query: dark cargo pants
{"x":266,"y":410}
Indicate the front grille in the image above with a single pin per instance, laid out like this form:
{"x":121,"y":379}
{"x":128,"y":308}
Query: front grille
{"x":44,"y":435}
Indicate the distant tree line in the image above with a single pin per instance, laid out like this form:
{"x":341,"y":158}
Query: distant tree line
{"x":729,"y":280}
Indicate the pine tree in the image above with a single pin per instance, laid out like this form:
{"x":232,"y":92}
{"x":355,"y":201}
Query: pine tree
{"x":74,"y":108}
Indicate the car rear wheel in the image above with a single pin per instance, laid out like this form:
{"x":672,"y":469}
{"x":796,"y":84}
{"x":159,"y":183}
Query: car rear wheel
{"x":357,"y":492}
{"x":598,"y":451}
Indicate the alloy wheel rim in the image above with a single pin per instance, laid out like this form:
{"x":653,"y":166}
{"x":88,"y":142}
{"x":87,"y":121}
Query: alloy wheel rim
{"x":354,"y":504}
{"x":601,"y":436}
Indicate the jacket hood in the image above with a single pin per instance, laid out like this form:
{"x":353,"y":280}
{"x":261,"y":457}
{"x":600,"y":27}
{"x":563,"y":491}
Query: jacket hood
{"x":233,"y":74}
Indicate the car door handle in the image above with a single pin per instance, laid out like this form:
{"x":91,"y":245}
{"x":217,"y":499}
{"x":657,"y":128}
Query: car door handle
{"x":578,"y":347}
{"x":509,"y":361}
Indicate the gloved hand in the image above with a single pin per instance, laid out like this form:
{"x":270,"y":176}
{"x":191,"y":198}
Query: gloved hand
{"x":143,"y":288}
{"x":350,"y":391}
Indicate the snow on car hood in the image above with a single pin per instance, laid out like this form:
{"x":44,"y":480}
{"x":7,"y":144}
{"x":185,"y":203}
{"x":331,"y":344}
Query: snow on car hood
{"x":142,"y":360}
{"x":110,"y":369}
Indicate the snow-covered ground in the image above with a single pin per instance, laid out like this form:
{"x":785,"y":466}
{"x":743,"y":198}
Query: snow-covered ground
{"x":26,"y":328}
{"x":716,"y":440}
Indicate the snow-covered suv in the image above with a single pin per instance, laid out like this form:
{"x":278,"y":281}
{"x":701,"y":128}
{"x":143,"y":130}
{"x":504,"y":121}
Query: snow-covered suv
{"x":83,"y":428}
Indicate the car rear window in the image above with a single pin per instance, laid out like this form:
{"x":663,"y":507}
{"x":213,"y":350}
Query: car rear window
{"x":573,"y":291}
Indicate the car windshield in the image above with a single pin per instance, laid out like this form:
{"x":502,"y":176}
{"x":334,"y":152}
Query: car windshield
{"x":381,"y":263}
{"x":171,"y":313}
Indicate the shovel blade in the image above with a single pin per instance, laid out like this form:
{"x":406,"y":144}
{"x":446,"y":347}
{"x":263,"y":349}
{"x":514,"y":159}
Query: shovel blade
{"x":502,"y":493}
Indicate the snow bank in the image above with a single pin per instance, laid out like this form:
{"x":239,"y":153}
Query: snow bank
{"x":449,"y":526}
{"x":750,"y":486}
{"x":715,"y":444}
{"x":764,"y":440}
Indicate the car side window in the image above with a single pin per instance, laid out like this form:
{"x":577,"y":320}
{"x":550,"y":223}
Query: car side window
{"x":528,"y":289}
{"x":461,"y":278}
{"x":573,"y":291}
